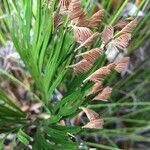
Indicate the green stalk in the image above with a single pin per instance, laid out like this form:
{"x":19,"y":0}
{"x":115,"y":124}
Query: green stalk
{"x":115,"y":17}
{"x":139,"y":7}
{"x":119,"y":104}
{"x":104,"y":147}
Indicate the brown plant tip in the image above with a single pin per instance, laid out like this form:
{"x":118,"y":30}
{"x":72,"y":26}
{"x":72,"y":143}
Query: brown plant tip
{"x":57,"y":19}
{"x":121,"y":64}
{"x":81,"y":34}
{"x":104,"y":95}
{"x":95,"y":124}
{"x":62,"y":123}
{"x":81,"y":22}
{"x":89,"y":41}
{"x":98,"y":86}
{"x":92,"y":54}
{"x":122,"y":41}
{"x":64,"y":5}
{"x":107,"y":34}
{"x":75,"y":10}
{"x":122,"y":23}
{"x":138,"y":2}
{"x":81,"y":66}
{"x":96,"y":18}
{"x":129,"y":27}
{"x":111,"y":66}
{"x":91,"y":115}
{"x":99,"y":74}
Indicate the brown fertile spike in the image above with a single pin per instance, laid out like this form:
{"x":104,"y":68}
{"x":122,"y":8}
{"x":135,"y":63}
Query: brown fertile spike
{"x":129,"y":27}
{"x":75,"y":10}
{"x":89,"y":41}
{"x":96,"y":19}
{"x":98,"y":75}
{"x":98,"y":86}
{"x":92,"y":115}
{"x":111,"y":66}
{"x":64,"y":4}
{"x":57,"y":19}
{"x":121,"y":64}
{"x":91,"y":55}
{"x":81,"y":22}
{"x":95,"y":124}
{"x":122,"y":41}
{"x":62,"y":123}
{"x":81,"y":66}
{"x":104,"y":95}
{"x":81,"y":34}
{"x":122,"y":23}
{"x":107,"y":34}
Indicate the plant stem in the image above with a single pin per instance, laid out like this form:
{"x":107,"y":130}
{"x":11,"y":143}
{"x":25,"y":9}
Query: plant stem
{"x":104,"y":147}
{"x":115,"y":17}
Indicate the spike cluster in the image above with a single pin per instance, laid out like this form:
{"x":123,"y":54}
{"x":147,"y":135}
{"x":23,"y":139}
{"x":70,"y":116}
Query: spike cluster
{"x":123,"y":37}
{"x":77,"y":14}
{"x":98,"y":76}
{"x":84,"y":35}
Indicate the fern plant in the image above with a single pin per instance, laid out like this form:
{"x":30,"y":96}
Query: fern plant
{"x":63,"y":45}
